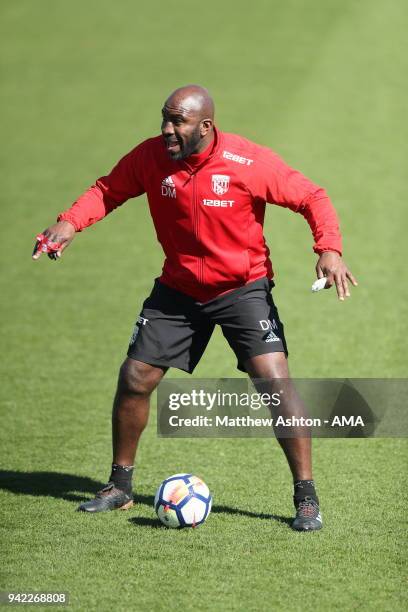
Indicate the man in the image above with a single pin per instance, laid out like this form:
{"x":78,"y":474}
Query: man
{"x":207,"y":192}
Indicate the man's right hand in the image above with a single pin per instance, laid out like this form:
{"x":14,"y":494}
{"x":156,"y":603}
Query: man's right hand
{"x":61,"y":234}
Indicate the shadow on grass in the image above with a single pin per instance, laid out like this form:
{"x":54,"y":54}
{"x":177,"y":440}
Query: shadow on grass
{"x":259,"y":515}
{"x":142,"y":521}
{"x":49,"y":484}
{"x":155,"y":523}
{"x":70,"y":487}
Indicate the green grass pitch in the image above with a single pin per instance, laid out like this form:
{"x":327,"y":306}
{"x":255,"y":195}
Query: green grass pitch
{"x":322,"y":83}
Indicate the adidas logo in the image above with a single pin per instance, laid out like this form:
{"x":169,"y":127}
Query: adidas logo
{"x":271,"y":337}
{"x":168,"y":189}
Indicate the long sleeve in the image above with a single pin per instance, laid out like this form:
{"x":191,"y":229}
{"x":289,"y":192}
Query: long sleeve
{"x":123,"y":182}
{"x":278,"y":183}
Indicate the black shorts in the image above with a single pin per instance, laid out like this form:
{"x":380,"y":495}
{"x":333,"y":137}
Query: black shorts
{"x":173,"y":329}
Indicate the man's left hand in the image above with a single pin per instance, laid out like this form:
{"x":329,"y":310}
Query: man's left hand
{"x":332,"y":266}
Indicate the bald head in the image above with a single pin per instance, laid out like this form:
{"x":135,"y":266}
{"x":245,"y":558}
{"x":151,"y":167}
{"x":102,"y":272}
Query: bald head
{"x":193,"y":98}
{"x":188,"y":121}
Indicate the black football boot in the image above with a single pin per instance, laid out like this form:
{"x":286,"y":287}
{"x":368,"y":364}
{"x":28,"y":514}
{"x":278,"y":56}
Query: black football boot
{"x":108,"y":498}
{"x":308,"y":517}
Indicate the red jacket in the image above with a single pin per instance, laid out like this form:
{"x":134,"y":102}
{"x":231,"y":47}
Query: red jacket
{"x":209,"y":210}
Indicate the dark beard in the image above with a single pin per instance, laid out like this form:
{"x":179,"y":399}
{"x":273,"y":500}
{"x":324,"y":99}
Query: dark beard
{"x":189,"y":147}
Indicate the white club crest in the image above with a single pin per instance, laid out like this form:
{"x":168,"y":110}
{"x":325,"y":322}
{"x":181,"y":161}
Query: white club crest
{"x":220,"y":183}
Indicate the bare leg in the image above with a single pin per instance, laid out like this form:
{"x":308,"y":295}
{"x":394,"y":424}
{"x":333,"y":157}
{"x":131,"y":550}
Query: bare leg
{"x":137,"y":380}
{"x":130,"y":414}
{"x":298,"y":450}
{"x":273,"y":370}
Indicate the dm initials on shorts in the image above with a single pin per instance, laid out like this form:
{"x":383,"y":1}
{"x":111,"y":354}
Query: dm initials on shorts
{"x":265,"y":325}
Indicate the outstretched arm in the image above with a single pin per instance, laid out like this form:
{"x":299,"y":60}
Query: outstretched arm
{"x":124,"y":181}
{"x":289,"y":188}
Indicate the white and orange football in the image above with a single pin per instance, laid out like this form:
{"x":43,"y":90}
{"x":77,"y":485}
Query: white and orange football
{"x":182,"y":500}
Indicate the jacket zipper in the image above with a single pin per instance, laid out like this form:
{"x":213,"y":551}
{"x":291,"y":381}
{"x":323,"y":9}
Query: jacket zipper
{"x":196,"y":228}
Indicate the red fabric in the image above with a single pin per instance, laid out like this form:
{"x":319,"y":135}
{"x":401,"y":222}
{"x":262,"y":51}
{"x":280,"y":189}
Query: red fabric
{"x":210,"y":227}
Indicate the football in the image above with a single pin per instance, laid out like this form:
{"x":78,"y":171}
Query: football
{"x":182,"y":500}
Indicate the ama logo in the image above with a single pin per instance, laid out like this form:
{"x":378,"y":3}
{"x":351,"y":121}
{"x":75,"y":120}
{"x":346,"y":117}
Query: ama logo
{"x":168,"y":188}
